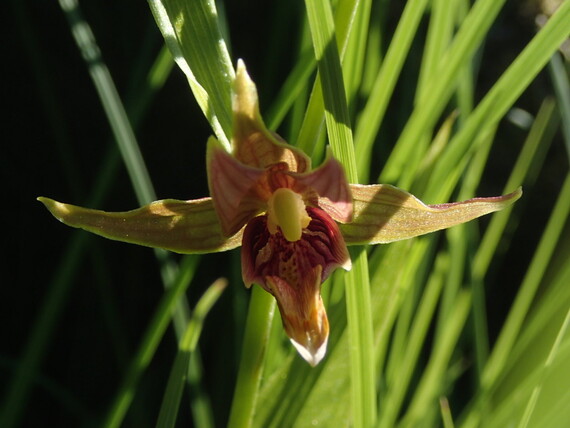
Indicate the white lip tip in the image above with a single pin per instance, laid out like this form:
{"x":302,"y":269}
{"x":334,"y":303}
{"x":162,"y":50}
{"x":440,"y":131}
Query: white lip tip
{"x":313,"y":358}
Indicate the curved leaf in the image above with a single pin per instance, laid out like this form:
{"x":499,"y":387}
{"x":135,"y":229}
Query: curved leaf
{"x":180,"y":226}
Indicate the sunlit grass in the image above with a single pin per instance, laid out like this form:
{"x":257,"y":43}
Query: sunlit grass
{"x":412,"y":340}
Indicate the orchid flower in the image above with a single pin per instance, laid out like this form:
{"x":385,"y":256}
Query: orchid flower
{"x":293,"y":222}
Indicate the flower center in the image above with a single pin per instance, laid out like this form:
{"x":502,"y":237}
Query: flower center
{"x":287,"y":210}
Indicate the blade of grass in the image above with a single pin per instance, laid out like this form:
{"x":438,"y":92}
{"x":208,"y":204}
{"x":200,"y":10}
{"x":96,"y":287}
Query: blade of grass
{"x":294,"y":84}
{"x":257,"y":328}
{"x":311,"y":127}
{"x":530,"y":284}
{"x":525,"y":367}
{"x":531,"y":156}
{"x":507,"y":89}
{"x":111,"y":102}
{"x":431,"y":383}
{"x":192,"y":32}
{"x":438,"y":37}
{"x":124,"y":136}
{"x":370,"y":117}
{"x":532,"y":152}
{"x":445,"y":413}
{"x":437,"y":40}
{"x":353,"y":60}
{"x":438,"y":91}
{"x":554,"y":351}
{"x":187,"y":345}
{"x":559,"y":76}
{"x":357,"y":282}
{"x":62,"y":280}
{"x":389,"y":286}
{"x":510,"y":331}
{"x":392,"y":403}
{"x":152,"y":336}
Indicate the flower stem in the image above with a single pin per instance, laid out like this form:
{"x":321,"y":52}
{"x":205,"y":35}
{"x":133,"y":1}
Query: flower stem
{"x":257,"y":330}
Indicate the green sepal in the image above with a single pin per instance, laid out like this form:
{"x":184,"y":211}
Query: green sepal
{"x":181,"y":226}
{"x":384,"y":213}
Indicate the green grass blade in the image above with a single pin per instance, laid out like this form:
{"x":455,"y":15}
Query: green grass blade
{"x":61,"y":282}
{"x":529,"y":286}
{"x":192,"y":33}
{"x":526,"y":369}
{"x":123,"y":132}
{"x":371,"y":116}
{"x":294,"y":84}
{"x":554,"y":352}
{"x":438,"y":92}
{"x":187,"y":345}
{"x":445,"y":413}
{"x":437,"y":41}
{"x":111,"y":102}
{"x":512,"y":327}
{"x":311,"y":127}
{"x":257,"y":328}
{"x":561,"y":83}
{"x":531,"y":157}
{"x":153,"y":334}
{"x":357,"y":282}
{"x":392,"y":403}
{"x":353,"y":59}
{"x":533,"y":152}
{"x":431,"y":384}
{"x":507,"y":89}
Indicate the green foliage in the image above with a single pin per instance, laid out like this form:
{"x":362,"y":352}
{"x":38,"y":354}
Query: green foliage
{"x":418,"y":338}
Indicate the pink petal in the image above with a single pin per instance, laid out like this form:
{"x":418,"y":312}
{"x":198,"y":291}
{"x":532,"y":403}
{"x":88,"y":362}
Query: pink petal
{"x":232,"y":186}
{"x":329,"y":182}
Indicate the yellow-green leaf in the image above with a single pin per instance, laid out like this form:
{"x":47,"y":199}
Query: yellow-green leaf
{"x":179,"y":226}
{"x":384,"y":213}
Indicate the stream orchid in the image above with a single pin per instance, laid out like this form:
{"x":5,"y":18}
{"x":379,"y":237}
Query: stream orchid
{"x":293,"y":222}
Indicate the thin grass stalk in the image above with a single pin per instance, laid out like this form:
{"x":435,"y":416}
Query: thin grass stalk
{"x":371,"y":116}
{"x":357,"y":282}
{"x":532,"y":153}
{"x":510,"y":331}
{"x":353,"y":60}
{"x":538,"y":139}
{"x":431,"y":383}
{"x":257,"y":328}
{"x":192,"y":32}
{"x":507,"y":89}
{"x":530,"y":284}
{"x":295,"y":83}
{"x":472,"y":31}
{"x":111,"y":102}
{"x":124,"y":136}
{"x":561,"y":83}
{"x":554,"y":352}
{"x":437,"y":40}
{"x":151,"y":338}
{"x":416,"y":336}
{"x":392,"y":294}
{"x":446,"y":417}
{"x":310,"y":133}
{"x":186,"y":346}
{"x":61,"y":282}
